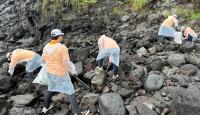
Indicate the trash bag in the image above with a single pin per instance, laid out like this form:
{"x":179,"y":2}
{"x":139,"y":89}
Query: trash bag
{"x":42,"y":78}
{"x":178,"y":38}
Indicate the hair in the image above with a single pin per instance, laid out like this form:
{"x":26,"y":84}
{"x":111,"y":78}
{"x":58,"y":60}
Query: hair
{"x":55,"y":37}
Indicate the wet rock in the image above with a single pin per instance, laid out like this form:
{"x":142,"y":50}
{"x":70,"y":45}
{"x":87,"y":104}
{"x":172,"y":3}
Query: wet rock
{"x":175,"y":60}
{"x":125,"y":93}
{"x":89,"y":99}
{"x":153,"y":82}
{"x":22,"y":111}
{"x":141,"y":52}
{"x":114,"y":86}
{"x":187,"y":47}
{"x":23,"y":99}
{"x":186,"y":101}
{"x":197,"y":79}
{"x":111,"y":104}
{"x":18,"y":34}
{"x":131,"y":110}
{"x":79,"y":68}
{"x":189,"y":69}
{"x":24,"y":88}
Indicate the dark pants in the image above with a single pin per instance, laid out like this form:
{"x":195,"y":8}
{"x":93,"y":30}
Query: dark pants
{"x":190,"y":38}
{"x":71,"y":98}
{"x":112,"y":66}
{"x":163,"y":37}
{"x":30,"y":75}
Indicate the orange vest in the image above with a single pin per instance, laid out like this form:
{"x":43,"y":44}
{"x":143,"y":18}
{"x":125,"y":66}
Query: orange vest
{"x":170,"y":21}
{"x":56,"y":57}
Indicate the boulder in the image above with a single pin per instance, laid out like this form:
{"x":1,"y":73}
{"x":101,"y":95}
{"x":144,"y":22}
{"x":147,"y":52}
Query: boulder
{"x":89,"y":75}
{"x":141,"y":52}
{"x":111,"y":104}
{"x":186,"y":101}
{"x":193,"y":60}
{"x":125,"y":93}
{"x":153,"y":82}
{"x":175,"y":60}
{"x":154,"y":63}
{"x":89,"y":99}
{"x":187,"y":47}
{"x":22,"y":111}
{"x":125,"y":18}
{"x":3,"y":107}
{"x":189,"y":69}
{"x":5,"y":82}
{"x":23,"y":99}
{"x":99,"y":79}
{"x":131,"y":110}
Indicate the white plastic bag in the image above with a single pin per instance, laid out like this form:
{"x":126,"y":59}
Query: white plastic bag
{"x":42,"y":76}
{"x":178,"y":38}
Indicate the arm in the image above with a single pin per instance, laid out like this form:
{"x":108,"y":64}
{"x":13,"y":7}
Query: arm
{"x":67,"y":62}
{"x":100,"y":43}
{"x":12,"y":65}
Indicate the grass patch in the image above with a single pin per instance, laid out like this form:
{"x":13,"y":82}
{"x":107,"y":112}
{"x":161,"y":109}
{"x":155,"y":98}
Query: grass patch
{"x":195,"y":16}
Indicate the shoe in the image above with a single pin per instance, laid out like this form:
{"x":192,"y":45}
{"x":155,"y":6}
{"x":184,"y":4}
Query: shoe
{"x":115,"y":77}
{"x":83,"y":113}
{"x":45,"y":110}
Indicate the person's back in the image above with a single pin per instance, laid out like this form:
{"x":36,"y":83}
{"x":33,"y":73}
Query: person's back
{"x":21,"y":55}
{"x":55,"y":57}
{"x":170,"y":21}
{"x":106,"y":42}
{"x":188,"y":30}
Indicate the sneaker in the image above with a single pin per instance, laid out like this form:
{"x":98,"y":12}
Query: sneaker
{"x":115,"y":77}
{"x":45,"y":110}
{"x":83,"y":113}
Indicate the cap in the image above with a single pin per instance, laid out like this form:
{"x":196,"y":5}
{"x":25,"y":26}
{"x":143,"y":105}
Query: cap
{"x":56,"y":32}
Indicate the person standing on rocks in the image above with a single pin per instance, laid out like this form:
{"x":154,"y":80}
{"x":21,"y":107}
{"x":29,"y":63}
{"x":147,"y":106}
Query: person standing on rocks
{"x":108,"y":48}
{"x":189,"y":34}
{"x":166,"y":29}
{"x":55,"y":56}
{"x":20,"y":55}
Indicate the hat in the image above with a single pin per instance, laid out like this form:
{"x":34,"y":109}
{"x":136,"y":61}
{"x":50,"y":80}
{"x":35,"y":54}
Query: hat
{"x":182,"y":28}
{"x":8,"y":55}
{"x":56,"y":32}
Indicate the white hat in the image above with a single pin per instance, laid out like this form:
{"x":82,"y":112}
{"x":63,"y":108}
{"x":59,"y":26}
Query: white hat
{"x":56,"y":32}
{"x":8,"y":55}
{"x":182,"y":28}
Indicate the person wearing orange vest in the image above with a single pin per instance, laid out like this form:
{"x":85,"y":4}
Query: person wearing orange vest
{"x":189,"y":34}
{"x":166,"y":29}
{"x":55,"y":56}
{"x":20,"y":55}
{"x":108,"y":48}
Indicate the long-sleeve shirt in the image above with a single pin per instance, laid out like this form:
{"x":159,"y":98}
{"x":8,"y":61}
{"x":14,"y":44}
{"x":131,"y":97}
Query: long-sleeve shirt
{"x":170,"y":21}
{"x":18,"y":56}
{"x":106,"y":42}
{"x":56,"y":57}
{"x":188,"y":31}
